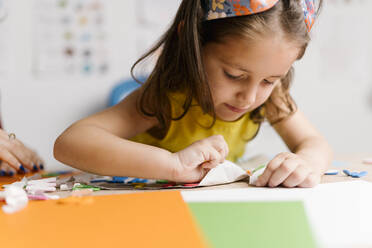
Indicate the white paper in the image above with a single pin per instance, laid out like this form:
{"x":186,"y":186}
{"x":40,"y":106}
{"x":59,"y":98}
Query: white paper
{"x":226,"y":172}
{"x":19,"y":184}
{"x":43,"y":181}
{"x":15,"y":198}
{"x":256,"y":174}
{"x":339,"y":213}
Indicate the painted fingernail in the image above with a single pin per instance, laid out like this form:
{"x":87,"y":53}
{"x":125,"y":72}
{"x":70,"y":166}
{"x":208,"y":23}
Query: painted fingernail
{"x":22,"y":169}
{"x":41,"y":167}
{"x":34,"y":168}
{"x":2,"y":173}
{"x":11,"y":173}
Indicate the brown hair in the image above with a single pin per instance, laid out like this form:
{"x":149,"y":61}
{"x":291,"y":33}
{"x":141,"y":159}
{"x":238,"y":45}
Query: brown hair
{"x":179,"y":67}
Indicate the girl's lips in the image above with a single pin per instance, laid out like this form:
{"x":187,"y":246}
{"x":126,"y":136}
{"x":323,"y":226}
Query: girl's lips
{"x":234,"y":109}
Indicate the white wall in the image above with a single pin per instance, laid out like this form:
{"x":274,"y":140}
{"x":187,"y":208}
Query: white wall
{"x":333,"y":83}
{"x":39,"y":109}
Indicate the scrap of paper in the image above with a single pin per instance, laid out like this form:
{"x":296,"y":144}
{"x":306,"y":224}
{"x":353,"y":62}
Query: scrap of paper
{"x":256,"y":173}
{"x":226,"y":172}
{"x":16,"y":199}
{"x":34,"y":189}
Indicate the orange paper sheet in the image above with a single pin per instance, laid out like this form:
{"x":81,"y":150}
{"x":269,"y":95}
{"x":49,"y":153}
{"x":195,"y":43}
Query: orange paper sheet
{"x":151,"y":219}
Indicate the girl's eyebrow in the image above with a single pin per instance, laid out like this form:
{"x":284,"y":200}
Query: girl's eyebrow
{"x":248,"y":71}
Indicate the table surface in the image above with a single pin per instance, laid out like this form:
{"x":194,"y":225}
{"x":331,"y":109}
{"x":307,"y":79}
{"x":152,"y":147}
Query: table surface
{"x":350,"y":162}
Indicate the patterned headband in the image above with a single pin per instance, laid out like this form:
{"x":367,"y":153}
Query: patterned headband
{"x":217,"y":9}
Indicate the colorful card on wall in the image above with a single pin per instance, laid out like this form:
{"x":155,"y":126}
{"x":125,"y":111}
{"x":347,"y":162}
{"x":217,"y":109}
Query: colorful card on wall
{"x":70,"y":37}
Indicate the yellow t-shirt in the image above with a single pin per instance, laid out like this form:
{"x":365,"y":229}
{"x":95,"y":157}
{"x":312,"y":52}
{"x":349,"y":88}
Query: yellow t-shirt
{"x":195,"y":125}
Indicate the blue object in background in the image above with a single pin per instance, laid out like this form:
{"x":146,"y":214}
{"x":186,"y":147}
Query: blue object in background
{"x":124,"y":88}
{"x":118,"y":93}
{"x":355,"y":174}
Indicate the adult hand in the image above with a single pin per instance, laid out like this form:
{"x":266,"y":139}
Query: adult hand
{"x":15,"y":157}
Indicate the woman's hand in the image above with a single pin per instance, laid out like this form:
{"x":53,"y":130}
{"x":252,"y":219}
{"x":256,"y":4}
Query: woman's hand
{"x":15,"y":157}
{"x":193,"y":162}
{"x":289,"y":170}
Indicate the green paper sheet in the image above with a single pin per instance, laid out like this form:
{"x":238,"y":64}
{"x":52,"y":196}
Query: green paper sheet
{"x":254,"y":224}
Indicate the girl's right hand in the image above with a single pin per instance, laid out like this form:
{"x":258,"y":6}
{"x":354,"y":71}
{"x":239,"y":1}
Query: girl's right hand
{"x":193,"y":162}
{"x":15,"y":157}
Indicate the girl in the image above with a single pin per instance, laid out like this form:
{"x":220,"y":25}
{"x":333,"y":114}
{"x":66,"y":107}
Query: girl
{"x":224,"y":67}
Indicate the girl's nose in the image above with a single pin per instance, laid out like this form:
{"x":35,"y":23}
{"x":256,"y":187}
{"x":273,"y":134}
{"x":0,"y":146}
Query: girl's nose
{"x":247,"y":96}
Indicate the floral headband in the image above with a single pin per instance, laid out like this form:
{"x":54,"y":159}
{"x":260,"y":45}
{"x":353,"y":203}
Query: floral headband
{"x":217,"y":9}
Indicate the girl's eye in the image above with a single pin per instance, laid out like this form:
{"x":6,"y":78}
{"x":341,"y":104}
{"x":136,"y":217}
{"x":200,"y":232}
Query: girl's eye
{"x":267,"y":82}
{"x":233,"y":76}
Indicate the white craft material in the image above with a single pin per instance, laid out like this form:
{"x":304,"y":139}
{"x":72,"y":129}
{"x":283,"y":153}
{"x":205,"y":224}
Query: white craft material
{"x":15,"y":198}
{"x":226,"y":172}
{"x":63,"y":187}
{"x":256,"y":174}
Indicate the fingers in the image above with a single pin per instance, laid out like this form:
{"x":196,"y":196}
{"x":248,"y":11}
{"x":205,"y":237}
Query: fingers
{"x":194,"y":161}
{"x":219,"y":143}
{"x":289,"y":170}
{"x":203,"y":173}
{"x":274,"y":164}
{"x":18,"y":156}
{"x":214,"y":158}
{"x":297,"y":177}
{"x":311,"y":181}
{"x":6,"y":169}
{"x":10,"y":159}
{"x":24,"y":155}
{"x":36,"y":161}
{"x":286,"y":168}
{"x":216,"y":151}
{"x":224,"y":149}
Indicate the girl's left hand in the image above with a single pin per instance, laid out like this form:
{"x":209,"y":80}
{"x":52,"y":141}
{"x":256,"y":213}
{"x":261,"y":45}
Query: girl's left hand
{"x":290,"y":170}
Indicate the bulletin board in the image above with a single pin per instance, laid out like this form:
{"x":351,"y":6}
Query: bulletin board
{"x":70,"y":38}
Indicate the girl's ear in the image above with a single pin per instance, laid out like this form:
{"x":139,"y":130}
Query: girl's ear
{"x":180,"y":27}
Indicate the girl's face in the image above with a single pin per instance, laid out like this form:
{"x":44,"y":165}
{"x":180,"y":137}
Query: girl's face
{"x":242,"y":75}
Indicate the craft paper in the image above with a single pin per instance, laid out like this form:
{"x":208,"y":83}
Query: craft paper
{"x":254,"y":224}
{"x":327,"y":205}
{"x":226,"y":172}
{"x":150,"y":219}
{"x":15,"y":198}
{"x":253,"y":178}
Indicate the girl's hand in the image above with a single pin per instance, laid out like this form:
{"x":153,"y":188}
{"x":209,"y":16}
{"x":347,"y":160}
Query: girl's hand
{"x":290,"y":170}
{"x":193,"y":162}
{"x":16,"y":157}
